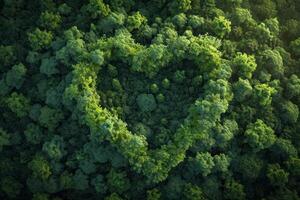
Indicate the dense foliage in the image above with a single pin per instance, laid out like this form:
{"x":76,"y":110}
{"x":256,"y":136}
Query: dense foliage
{"x":156,"y":99}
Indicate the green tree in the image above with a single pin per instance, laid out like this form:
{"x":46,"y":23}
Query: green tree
{"x":244,"y":65}
{"x":15,"y":77}
{"x":11,"y":187}
{"x":272,"y":61}
{"x":99,"y":184}
{"x":8,"y":56}
{"x":273,"y":25}
{"x":50,"y":20}
{"x":202,"y":164}
{"x":33,"y":134}
{"x":40,"y":40}
{"x":112,"y":22}
{"x":241,"y":16}
{"x":242,"y":90}
{"x":151,"y":60}
{"x":221,"y":163}
{"x":97,"y":8}
{"x":289,"y":112}
{"x":80,"y":180}
{"x":153,"y":194}
{"x":146,"y":102}
{"x":293,"y":86}
{"x":259,"y":136}
{"x":18,"y":104}
{"x":40,"y":168}
{"x":249,"y":166}
{"x":48,"y":66}
{"x":55,"y":148}
{"x":135,"y":21}
{"x":293,"y":165}
{"x":283,"y":149}
{"x":295,"y":46}
{"x":178,"y":6}
{"x":234,"y":190}
{"x":277,"y":176}
{"x":50,"y":118}
{"x":117,"y":181}
{"x":263,"y":94}
{"x":180,"y":20}
{"x":221,"y":26}
{"x":193,"y":192}
{"x":264,"y":9}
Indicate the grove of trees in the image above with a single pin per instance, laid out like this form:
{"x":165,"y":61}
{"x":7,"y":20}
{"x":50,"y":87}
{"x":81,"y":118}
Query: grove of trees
{"x":150,"y":99}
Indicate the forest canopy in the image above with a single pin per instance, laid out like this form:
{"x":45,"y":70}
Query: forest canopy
{"x":150,"y":99}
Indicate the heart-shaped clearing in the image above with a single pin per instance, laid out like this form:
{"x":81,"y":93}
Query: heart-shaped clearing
{"x":159,"y":105}
{"x":202,"y":114}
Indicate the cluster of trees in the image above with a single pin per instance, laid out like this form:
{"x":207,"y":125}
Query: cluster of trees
{"x":126,"y":99}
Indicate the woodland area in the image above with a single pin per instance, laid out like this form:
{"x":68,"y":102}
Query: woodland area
{"x":149,"y":99}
